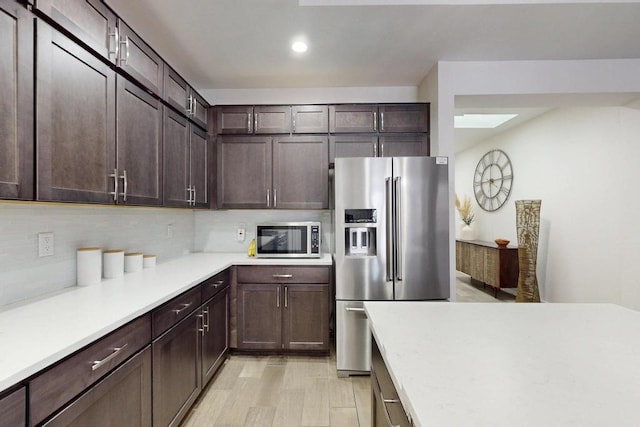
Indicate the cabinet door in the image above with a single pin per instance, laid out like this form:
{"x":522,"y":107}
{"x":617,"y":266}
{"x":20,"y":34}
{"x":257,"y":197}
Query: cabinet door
{"x":90,"y":21}
{"x":122,"y":398}
{"x":310,"y":119}
{"x":75,"y":121}
{"x":244,"y":172}
{"x":259,"y":317}
{"x":404,"y":145}
{"x":13,"y":408}
{"x":199,"y":110}
{"x":272,"y":119}
{"x":16,"y":102}
{"x":215,"y":341}
{"x":199,"y":160}
{"x":137,"y":59}
{"x":177,"y":368}
{"x":235,"y":120}
{"x":176,"y":160}
{"x":353,"y":118}
{"x":305,"y":318}
{"x":301,"y":172}
{"x":176,"y":90}
{"x":404,"y":118}
{"x":352,"y":146}
{"x":139,"y":142}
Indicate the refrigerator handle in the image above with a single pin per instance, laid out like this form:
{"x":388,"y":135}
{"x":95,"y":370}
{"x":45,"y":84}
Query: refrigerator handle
{"x":389,"y":215}
{"x":398,"y":222}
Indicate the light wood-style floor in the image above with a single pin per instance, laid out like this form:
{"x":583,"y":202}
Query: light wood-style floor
{"x":281,"y":391}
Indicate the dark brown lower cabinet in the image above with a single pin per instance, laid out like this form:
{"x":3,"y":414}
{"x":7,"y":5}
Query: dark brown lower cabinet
{"x":283,"y":317}
{"x":215,"y":338}
{"x":13,"y":408}
{"x":177,"y":368}
{"x":386,"y":408}
{"x":122,"y":398}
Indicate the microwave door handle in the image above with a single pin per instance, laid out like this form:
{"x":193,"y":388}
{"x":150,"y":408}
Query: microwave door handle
{"x":389,"y":237}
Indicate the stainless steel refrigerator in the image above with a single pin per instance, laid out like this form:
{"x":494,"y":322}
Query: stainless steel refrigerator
{"x":392,"y":243}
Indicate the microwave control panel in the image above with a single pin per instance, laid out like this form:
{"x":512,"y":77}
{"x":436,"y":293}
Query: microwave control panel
{"x":315,"y":239}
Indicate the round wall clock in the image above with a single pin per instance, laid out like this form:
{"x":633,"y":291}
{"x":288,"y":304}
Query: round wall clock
{"x":492,"y":180}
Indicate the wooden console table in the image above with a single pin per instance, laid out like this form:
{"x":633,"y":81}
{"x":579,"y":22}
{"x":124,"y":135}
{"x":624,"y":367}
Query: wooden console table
{"x":488,"y":263}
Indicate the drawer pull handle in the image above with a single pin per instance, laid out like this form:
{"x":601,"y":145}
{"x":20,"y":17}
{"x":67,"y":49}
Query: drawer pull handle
{"x":283,"y":276}
{"x":386,"y":412}
{"x":180,"y":310}
{"x":356,"y":309}
{"x":218,"y":283}
{"x":98,"y":363}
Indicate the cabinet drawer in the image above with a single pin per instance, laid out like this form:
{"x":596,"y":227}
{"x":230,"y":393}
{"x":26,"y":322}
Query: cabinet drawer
{"x":215,"y":284}
{"x":13,"y":409}
{"x":283,"y":274}
{"x":50,"y":390}
{"x":175,"y":310}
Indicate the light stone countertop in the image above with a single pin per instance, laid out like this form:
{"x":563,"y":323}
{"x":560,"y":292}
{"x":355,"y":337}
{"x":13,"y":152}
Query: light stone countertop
{"x":36,"y":334}
{"x":479,"y":364}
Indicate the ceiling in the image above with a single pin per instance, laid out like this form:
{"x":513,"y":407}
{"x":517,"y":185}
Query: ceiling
{"x":245,"y":44}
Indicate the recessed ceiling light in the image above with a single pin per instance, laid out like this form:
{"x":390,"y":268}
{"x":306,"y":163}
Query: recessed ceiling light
{"x":299,"y":47}
{"x":481,"y":121}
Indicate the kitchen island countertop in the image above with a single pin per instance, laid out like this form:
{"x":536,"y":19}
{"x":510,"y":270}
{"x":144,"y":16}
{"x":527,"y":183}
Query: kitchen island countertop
{"x":38,"y":333}
{"x":460,"y":364}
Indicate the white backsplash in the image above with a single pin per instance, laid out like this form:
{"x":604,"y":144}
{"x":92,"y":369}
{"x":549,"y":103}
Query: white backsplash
{"x":216,"y":230}
{"x":167,"y":233}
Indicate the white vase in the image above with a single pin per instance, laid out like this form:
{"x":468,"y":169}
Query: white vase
{"x":468,"y":232}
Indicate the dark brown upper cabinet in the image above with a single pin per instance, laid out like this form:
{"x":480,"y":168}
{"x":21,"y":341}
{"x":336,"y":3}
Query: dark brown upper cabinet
{"x":178,"y":94}
{"x":186,"y":166}
{"x":139,"y":145}
{"x":403,"y":118}
{"x":138,"y":60}
{"x":91,"y":22}
{"x":16,"y":102}
{"x":365,"y":145}
{"x":309,"y":119}
{"x":75,"y":122}
{"x":408,"y":145}
{"x":355,"y":118}
{"x":262,"y":119}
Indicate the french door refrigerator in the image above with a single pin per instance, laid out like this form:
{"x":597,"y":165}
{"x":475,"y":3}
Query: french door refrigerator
{"x":392,"y":243}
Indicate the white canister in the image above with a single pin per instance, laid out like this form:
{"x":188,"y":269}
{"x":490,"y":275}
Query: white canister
{"x":113,"y":263}
{"x":132,"y":262}
{"x":149,"y":261}
{"x":89,"y":266}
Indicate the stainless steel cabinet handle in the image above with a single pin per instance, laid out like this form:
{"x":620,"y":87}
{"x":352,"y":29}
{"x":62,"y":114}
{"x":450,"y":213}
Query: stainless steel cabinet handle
{"x":286,"y":296}
{"x":375,"y":121}
{"x":398,"y":201}
{"x":114,"y":193}
{"x":124,"y":53}
{"x":201,"y":317}
{"x":189,"y":195}
{"x":249,"y":123}
{"x":113,"y":43}
{"x":386,"y":412}
{"x":180,"y":310}
{"x":206,"y":319}
{"x":217,"y":284}
{"x":268,"y":199}
{"x":375,"y":149}
{"x":98,"y":363}
{"x":294,"y":124}
{"x":193,"y":199}
{"x":382,"y":121}
{"x":195,"y":106}
{"x":278,"y":299}
{"x":255,"y":122}
{"x":355,"y":309}
{"x":282,"y":276}
{"x":126,"y":185}
{"x":275,"y":197}
{"x":189,"y":105}
{"x":381,"y":149}
{"x":389,"y":236}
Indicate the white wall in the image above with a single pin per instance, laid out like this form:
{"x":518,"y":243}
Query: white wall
{"x":24,"y":275}
{"x":582,"y":164}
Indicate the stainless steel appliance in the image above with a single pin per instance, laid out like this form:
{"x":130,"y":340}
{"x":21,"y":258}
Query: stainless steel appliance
{"x":392,"y":243}
{"x":288,"y":240}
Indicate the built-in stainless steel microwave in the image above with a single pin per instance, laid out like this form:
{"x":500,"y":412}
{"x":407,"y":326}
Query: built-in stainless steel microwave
{"x":288,"y":240}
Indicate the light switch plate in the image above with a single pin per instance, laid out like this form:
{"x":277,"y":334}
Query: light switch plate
{"x":45,"y":244}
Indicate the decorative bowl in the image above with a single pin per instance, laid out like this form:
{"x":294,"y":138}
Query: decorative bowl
{"x":502,"y":243}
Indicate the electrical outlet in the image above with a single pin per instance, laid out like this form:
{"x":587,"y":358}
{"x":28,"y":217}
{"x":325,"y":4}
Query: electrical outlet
{"x":240,"y":234}
{"x":170,"y":230}
{"x":45,"y":244}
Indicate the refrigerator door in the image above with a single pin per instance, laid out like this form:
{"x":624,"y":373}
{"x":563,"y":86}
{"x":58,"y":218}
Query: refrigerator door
{"x":421,"y":228}
{"x":361,"y":185}
{"x":353,"y":338}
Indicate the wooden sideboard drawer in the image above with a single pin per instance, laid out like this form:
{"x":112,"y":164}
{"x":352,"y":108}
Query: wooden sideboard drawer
{"x":215,"y":284}
{"x":56,"y":386}
{"x":174,"y":311}
{"x":283,"y":274}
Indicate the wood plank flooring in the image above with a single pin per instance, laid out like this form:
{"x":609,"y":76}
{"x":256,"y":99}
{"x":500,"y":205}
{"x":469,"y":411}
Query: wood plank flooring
{"x":293,"y":391}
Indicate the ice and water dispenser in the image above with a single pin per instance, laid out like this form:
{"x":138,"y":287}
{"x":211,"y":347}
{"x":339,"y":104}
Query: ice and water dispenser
{"x":360,"y":232}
